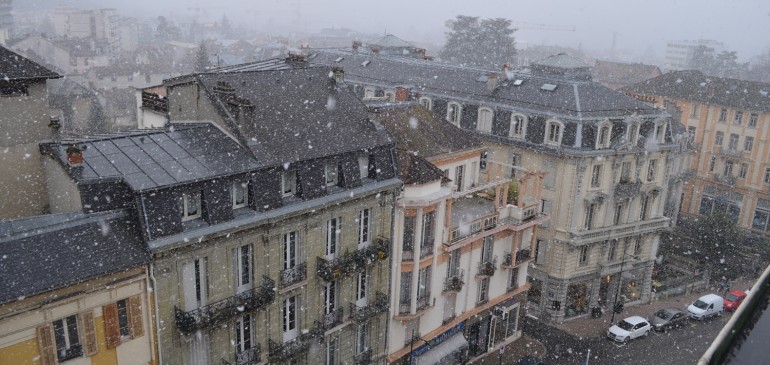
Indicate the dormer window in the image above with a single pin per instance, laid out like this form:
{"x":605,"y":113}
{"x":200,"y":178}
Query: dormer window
{"x":553,"y":132}
{"x":518,"y":126}
{"x":660,"y":132}
{"x":390,"y":96}
{"x":453,"y":113}
{"x":368,"y":93}
{"x":288,"y":183}
{"x":633,"y":133}
{"x":603,"y":136}
{"x":426,"y":102}
{"x":330,"y":173}
{"x":484,"y":122}
{"x":240,"y":191}
{"x":191,"y":206}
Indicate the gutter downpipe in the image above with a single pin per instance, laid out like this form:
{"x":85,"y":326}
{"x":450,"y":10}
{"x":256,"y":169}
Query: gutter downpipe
{"x":157,"y":320}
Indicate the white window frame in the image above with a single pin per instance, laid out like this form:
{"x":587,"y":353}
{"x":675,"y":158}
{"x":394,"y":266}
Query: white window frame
{"x":603,"y":133}
{"x":424,"y":282}
{"x":458,"y":113}
{"x":738,"y":117}
{"x":426,"y":102}
{"x":748,"y":143}
{"x":460,"y":177}
{"x":290,"y":318}
{"x":195,"y":283}
{"x":330,"y":173}
{"x":583,"y":255}
{"x":188,"y":199}
{"x":753,"y":119}
{"x":363,"y":166}
{"x":333,"y":235}
{"x":652,"y":169}
{"x":289,"y":183}
{"x":68,"y":342}
{"x":518,"y":126}
{"x":240,"y":187}
{"x":361,"y":339}
{"x":484,"y":120}
{"x":364,"y":227}
{"x":243,"y":260}
{"x":632,"y":135}
{"x":362,"y":288}
{"x":330,"y":296}
{"x":553,"y":137}
{"x":290,"y":250}
{"x":719,"y":138}
{"x":743,"y":170}
{"x":244,"y":334}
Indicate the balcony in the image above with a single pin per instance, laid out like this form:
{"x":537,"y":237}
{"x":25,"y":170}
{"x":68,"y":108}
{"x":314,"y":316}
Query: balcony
{"x":523,"y":255}
{"x":426,"y":250}
{"x":296,"y":274}
{"x":581,"y":236}
{"x":248,"y":357}
{"x":725,"y":179}
{"x":404,"y":308}
{"x":454,"y":283}
{"x":730,"y":152}
{"x":374,"y":308}
{"x":222,"y":311}
{"x":363,"y":358}
{"x":509,"y":262}
{"x":423,"y":302}
{"x":353,"y":262}
{"x":487,"y":267}
{"x":627,"y":189}
{"x":281,"y":352}
{"x":332,"y":319}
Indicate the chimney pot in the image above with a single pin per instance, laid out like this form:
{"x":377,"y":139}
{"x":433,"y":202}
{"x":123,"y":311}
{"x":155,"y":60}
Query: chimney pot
{"x":491,"y":82}
{"x":402,"y":94}
{"x":75,"y":155}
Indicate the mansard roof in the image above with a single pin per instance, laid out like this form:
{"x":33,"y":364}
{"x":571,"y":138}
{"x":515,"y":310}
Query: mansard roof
{"x":413,"y":169}
{"x":390,"y":41}
{"x":292,"y":115}
{"x":55,"y":251}
{"x":696,"y":86}
{"x":153,"y":159}
{"x":16,"y":67}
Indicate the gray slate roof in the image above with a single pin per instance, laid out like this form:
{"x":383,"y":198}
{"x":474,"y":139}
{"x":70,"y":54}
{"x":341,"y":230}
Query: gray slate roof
{"x":571,"y":98}
{"x":390,"y":41}
{"x":297,"y":114}
{"x":696,"y":86}
{"x":16,"y":67}
{"x":561,"y":60}
{"x":414,"y":169}
{"x":149,"y":160}
{"x":49,"y":252}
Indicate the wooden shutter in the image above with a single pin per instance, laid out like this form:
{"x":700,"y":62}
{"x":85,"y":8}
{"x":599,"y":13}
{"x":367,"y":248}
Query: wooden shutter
{"x":46,"y":345}
{"x":135,"y":316}
{"x":111,"y":325}
{"x":90,"y":346}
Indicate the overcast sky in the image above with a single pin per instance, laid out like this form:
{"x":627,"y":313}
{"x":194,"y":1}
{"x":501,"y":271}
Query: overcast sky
{"x":743,"y":25}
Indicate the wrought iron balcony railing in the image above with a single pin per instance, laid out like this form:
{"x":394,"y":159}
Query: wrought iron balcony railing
{"x":247,"y":357}
{"x":423,"y":302}
{"x":294,"y":275}
{"x":332,"y":319}
{"x":281,"y":352}
{"x":627,"y":189}
{"x":454,"y":282}
{"x":353,"y":262}
{"x":522,"y":255}
{"x":378,"y":305}
{"x":483,"y":223}
{"x":363,"y":358}
{"x":220,"y":312}
{"x":488,"y":267}
{"x":426,"y":250}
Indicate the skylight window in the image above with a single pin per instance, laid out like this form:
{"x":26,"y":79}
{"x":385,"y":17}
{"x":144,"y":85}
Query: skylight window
{"x":549,"y":87}
{"x":366,"y":63}
{"x":518,"y":82}
{"x":339,"y":59}
{"x":702,"y":84}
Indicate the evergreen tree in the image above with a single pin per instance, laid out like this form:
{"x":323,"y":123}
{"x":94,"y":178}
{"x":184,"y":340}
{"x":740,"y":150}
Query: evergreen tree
{"x":486,"y":43}
{"x":202,"y":59}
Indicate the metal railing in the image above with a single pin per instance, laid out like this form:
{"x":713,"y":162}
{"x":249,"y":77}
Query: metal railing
{"x":332,"y":319}
{"x":250,"y":356}
{"x":294,"y":275}
{"x":280,"y":352}
{"x":353,"y":262}
{"x":454,"y":282}
{"x":581,"y":237}
{"x":426,"y":250}
{"x":374,"y":308}
{"x":522,"y":255}
{"x":481,"y":224}
{"x":220,"y":312}
{"x":487,"y":267}
{"x":363,"y":358}
{"x":423,"y":302}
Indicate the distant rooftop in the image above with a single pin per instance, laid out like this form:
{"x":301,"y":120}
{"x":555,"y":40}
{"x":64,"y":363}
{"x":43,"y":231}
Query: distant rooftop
{"x":16,"y":67}
{"x":390,"y":41}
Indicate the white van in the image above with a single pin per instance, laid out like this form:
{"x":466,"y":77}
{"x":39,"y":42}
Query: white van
{"x":706,"y":306}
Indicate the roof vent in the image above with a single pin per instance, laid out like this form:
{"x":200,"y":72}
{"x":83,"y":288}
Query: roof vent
{"x":339,"y":59}
{"x":366,"y":63}
{"x":518,"y":82}
{"x":549,"y":87}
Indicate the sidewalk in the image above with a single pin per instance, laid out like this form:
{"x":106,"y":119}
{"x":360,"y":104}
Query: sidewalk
{"x":514,"y":351}
{"x":597,"y":327}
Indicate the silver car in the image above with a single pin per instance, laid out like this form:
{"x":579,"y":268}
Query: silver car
{"x":668,"y":318}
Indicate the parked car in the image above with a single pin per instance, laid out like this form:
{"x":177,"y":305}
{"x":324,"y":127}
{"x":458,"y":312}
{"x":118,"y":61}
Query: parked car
{"x":706,"y":306}
{"x":668,"y":318}
{"x":733,"y":299}
{"x":629,"y":329}
{"x":531,"y":360}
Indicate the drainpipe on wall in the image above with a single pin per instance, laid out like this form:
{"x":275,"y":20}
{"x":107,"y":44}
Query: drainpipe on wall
{"x":157,"y":317}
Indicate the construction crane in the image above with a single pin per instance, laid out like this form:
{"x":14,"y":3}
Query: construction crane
{"x":536,"y":26}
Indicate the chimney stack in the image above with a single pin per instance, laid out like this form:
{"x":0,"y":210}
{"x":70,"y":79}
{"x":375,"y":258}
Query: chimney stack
{"x":402,"y":94}
{"x":75,"y":155}
{"x":356,"y":45}
{"x":491,"y":82}
{"x":339,"y":74}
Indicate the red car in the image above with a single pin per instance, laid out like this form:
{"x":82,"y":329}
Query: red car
{"x":733,"y":299}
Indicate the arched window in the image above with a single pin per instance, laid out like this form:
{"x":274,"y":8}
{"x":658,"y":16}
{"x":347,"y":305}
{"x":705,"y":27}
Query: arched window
{"x":390,"y":96}
{"x":453,"y":111}
{"x":368,"y":93}
{"x":484,"y":122}
{"x":426,"y":102}
{"x":603,"y":135}
{"x":518,"y":126}
{"x":554,"y":130}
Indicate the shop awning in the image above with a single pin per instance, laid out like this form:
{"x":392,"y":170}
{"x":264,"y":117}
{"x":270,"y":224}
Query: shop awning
{"x":451,"y":345}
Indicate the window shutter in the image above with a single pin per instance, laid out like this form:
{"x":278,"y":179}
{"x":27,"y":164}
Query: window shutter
{"x":46,"y":346}
{"x":90,"y":346}
{"x":111,"y":325}
{"x":135,"y":316}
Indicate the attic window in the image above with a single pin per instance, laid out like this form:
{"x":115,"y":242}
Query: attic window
{"x":366,"y":63}
{"x":548,"y":87}
{"x":339,"y":59}
{"x":482,"y":78}
{"x":518,"y":82}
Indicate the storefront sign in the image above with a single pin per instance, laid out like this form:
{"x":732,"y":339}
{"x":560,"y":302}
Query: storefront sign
{"x":435,"y":341}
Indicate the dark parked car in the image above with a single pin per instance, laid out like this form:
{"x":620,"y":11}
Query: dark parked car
{"x":668,"y":318}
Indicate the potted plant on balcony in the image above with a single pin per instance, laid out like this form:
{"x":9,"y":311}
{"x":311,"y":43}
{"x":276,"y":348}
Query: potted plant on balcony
{"x":513,"y":193}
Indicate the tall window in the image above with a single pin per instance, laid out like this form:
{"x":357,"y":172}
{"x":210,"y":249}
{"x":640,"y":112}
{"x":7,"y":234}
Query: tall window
{"x":423,"y":286}
{"x":290,"y":250}
{"x":453,"y":113}
{"x":637,"y":246}
{"x":590,"y":215}
{"x":362,"y":342}
{"x":243,"y":268}
{"x":718,"y":138}
{"x":362,"y":287}
{"x":753,"y":120}
{"x":612,"y":248}
{"x":620,"y":209}
{"x":583,"y":255}
{"x":453,"y":263}
{"x":195,"y":283}
{"x":67,"y":338}
{"x":738,"y":118}
{"x":518,"y":126}
{"x":191,"y":205}
{"x":596,"y":176}
{"x":604,"y":137}
{"x":660,"y":132}
{"x":513,"y":278}
{"x":243,"y":333}
{"x":633,"y":133}
{"x":364,"y":226}
{"x":124,"y":328}
{"x":240,"y":189}
{"x":733,"y":145}
{"x":483,"y":290}
{"x":514,"y":164}
{"x":652,"y":169}
{"x":483,"y":160}
{"x":712,"y":163}
{"x":460,"y":177}
{"x":553,"y":132}
{"x":767,"y":176}
{"x":728,"y":168}
{"x":333,"y":230}
{"x":428,"y":233}
{"x":332,"y":348}
{"x":405,"y":291}
{"x":484,"y":122}
{"x":645,"y":207}
{"x":408,"y":241}
{"x":748,"y":143}
{"x":487,"y":248}
{"x":743,"y":171}
{"x":723,"y":115}
{"x":694,"y":110}
{"x":290,"y":318}
{"x":288,"y":183}
{"x":330,"y":297}
{"x":625,"y":172}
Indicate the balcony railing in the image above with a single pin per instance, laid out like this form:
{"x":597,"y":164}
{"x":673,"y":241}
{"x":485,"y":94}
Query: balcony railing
{"x":627,"y":189}
{"x":247,"y":357}
{"x":454,"y":283}
{"x":581,"y":237}
{"x":423,"y":302}
{"x":522,"y":255}
{"x":484,"y":223}
{"x":487,"y":267}
{"x":725,"y":179}
{"x":426,"y":250}
{"x":375,"y":307}
{"x":296,"y":274}
{"x":730,"y":152}
{"x":405,"y":307}
{"x":281,"y":352}
{"x":363,"y":358}
{"x":407,"y":255}
{"x":353,"y":262}
{"x":220,"y":312}
{"x":332,"y":319}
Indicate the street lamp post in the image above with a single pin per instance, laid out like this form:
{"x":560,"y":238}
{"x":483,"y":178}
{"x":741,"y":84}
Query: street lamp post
{"x":620,"y":283}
